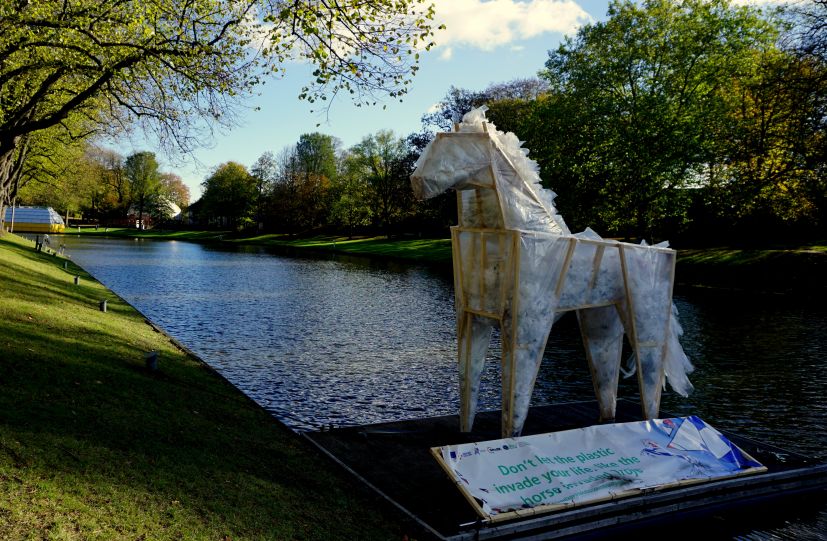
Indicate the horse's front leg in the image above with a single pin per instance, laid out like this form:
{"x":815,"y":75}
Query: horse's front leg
{"x":474,"y":335}
{"x":523,"y":343}
{"x":526,"y":324}
{"x":602,"y":332}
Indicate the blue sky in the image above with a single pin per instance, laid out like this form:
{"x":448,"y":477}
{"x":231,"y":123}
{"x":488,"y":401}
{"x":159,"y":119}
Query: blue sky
{"x":486,"y":41}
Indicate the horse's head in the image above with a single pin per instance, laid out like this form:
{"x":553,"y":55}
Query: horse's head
{"x":456,"y":160}
{"x":477,"y":155}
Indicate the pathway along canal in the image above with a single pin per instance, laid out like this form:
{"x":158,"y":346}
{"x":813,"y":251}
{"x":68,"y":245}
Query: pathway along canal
{"x":342,"y":340}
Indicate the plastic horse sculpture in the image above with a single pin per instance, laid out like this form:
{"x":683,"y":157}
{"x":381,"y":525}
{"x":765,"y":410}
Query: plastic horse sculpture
{"x":516,"y":265}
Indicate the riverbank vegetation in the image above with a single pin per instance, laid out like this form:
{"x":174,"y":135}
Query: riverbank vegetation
{"x":73,"y":71}
{"x":94,"y":446}
{"x":701,"y":122}
{"x":773,"y":268}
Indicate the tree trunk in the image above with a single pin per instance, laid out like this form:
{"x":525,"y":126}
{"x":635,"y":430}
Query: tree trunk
{"x":6,"y":163}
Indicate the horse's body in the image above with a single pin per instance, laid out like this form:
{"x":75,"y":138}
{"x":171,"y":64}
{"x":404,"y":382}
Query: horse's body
{"x":517,"y":266}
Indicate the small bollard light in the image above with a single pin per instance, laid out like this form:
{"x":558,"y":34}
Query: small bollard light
{"x":102,"y":305}
{"x":151,"y":359}
{"x":77,"y":279}
{"x":65,"y":265}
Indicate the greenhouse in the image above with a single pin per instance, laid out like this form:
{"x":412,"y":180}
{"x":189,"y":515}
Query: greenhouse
{"x":33,"y":220}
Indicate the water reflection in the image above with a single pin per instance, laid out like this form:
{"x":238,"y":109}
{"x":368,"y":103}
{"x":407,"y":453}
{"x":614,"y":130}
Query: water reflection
{"x":320,"y":341}
{"x":347,"y":340}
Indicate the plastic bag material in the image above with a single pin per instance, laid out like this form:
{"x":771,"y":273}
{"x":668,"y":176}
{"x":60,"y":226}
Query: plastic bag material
{"x":528,"y":321}
{"x":647,"y":270}
{"x":517,"y":265}
{"x":602,"y":331}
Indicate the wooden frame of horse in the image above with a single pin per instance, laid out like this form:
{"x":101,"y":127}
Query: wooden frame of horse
{"x":465,"y":311}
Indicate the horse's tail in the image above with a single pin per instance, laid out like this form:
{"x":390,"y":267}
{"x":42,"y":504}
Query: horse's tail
{"x":677,"y":364}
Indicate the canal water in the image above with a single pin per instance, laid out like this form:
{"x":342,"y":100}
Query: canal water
{"x":321,"y":341}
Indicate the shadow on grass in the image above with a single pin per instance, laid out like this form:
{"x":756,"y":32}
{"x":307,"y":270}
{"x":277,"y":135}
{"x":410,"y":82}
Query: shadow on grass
{"x":778,"y":271}
{"x":90,"y":439}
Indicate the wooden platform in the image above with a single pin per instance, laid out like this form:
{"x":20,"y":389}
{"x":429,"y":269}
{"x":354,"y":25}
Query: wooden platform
{"x":394,"y":460}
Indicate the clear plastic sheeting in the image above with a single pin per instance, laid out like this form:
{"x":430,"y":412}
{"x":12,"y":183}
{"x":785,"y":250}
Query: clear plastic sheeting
{"x":466,"y":160}
{"x":602,"y":330}
{"x":517,"y":266}
{"x":646,"y":270}
{"x":474,"y":336}
{"x":527,"y":321}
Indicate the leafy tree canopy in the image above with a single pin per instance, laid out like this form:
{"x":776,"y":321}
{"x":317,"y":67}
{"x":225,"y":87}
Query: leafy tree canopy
{"x":229,"y":194}
{"x":144,"y":177}
{"x":642,"y":95}
{"x":174,"y":65}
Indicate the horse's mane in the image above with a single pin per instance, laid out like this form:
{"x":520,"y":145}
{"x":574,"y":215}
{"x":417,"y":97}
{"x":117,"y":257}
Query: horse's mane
{"x":474,"y":121}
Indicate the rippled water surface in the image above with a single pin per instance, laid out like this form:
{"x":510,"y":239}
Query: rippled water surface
{"x":350,"y":341}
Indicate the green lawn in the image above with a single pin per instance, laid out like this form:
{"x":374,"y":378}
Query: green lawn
{"x":780,"y":270}
{"x":773,"y":268}
{"x":93,"y":446}
{"x":421,"y":250}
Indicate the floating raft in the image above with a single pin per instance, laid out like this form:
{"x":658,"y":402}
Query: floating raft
{"x":394,"y":460}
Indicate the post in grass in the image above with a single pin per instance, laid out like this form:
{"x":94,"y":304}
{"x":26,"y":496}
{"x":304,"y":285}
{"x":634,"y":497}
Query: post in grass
{"x":151,"y":360}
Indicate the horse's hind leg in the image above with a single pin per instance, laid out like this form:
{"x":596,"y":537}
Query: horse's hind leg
{"x":649,"y":276}
{"x":602,"y":332}
{"x":474,"y":337}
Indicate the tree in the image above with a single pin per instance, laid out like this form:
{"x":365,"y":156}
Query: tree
{"x":459,"y":101}
{"x":760,"y":174}
{"x":52,"y":170}
{"x":640,"y":93}
{"x":107,"y":166}
{"x":174,"y":189}
{"x":173,"y":66}
{"x":449,"y":111}
{"x":317,"y":166}
{"x":229,"y":195}
{"x":812,"y":22}
{"x":141,"y":171}
{"x":381,"y":160}
{"x":265,"y":171}
{"x":316,"y":155}
{"x":351,"y":206}
{"x":301,"y":195}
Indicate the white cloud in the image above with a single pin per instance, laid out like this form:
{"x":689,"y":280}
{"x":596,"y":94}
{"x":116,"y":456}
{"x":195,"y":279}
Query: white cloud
{"x":493,"y":23}
{"x":446,"y":54}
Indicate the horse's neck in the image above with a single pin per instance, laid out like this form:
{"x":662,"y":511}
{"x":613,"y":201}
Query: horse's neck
{"x":484,"y":208}
{"x":479,"y":209}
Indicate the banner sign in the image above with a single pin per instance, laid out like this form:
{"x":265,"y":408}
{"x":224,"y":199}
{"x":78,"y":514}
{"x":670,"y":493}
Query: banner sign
{"x":517,"y":476}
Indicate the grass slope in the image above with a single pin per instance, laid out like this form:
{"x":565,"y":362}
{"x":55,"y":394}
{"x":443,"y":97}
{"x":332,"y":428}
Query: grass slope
{"x":773,"y":269}
{"x":92,"y":446}
{"x":420,"y":250}
{"x":778,"y":270}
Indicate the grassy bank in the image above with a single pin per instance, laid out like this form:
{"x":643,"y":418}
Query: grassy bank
{"x":794,"y":269}
{"x":773,"y":269}
{"x":94,"y":446}
{"x":436,"y":251}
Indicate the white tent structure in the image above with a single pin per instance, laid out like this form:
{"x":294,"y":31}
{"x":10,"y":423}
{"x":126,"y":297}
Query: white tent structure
{"x":33,"y":220}
{"x":517,"y":266}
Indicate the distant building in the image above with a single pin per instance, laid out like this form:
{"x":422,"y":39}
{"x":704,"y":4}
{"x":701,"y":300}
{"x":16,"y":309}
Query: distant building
{"x":159,"y":210}
{"x":33,"y":220}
